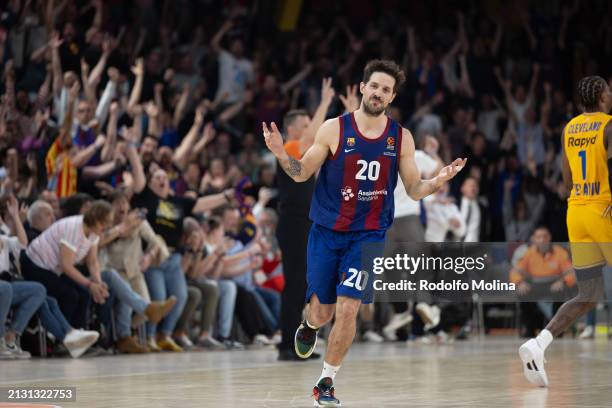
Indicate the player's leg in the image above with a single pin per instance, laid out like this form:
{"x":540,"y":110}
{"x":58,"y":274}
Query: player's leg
{"x":590,"y":280}
{"x":589,"y":259}
{"x":355,"y":286}
{"x":590,"y":288}
{"x":343,"y":331}
{"x":321,"y":276}
{"x":319,"y":314}
{"x":338,"y":343}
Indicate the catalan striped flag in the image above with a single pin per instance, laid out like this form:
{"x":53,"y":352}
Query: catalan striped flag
{"x":62,"y":180}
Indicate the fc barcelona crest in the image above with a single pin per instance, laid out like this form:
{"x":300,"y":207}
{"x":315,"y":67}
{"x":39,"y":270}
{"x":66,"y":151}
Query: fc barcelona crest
{"x":350,"y":141}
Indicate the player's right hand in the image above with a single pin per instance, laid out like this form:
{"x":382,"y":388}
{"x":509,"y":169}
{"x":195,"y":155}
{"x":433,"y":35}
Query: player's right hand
{"x":273,"y":139}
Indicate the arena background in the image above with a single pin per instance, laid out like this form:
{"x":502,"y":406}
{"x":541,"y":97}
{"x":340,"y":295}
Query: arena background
{"x":191,"y":82}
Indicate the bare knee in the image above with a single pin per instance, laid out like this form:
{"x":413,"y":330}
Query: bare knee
{"x":319,"y":314}
{"x":347,"y":309}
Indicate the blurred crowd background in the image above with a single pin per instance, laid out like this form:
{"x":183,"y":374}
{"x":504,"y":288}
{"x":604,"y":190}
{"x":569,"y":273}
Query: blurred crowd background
{"x":93,"y":90}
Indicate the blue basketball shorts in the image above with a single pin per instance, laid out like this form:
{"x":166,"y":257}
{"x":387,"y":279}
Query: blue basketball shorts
{"x":340,"y":263}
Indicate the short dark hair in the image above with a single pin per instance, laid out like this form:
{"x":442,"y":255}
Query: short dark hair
{"x":541,"y":226}
{"x":220,"y":211}
{"x":292,"y":115}
{"x":99,"y":211}
{"x":152,"y":137}
{"x":386,"y":66}
{"x":213,"y":223}
{"x":589,"y":91}
{"x":72,"y":205}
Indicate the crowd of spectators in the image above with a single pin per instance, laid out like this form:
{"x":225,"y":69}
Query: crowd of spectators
{"x":130,"y":145}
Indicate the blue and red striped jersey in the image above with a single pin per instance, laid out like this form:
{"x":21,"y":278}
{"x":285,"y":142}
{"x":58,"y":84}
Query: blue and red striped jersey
{"x":354,"y":190}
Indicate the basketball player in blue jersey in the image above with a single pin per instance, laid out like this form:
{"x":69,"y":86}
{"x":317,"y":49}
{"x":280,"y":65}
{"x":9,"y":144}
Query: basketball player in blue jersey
{"x":359,"y":155}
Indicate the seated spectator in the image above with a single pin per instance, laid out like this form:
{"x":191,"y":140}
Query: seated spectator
{"x":76,"y":204}
{"x":271,"y":273}
{"x":192,"y":248}
{"x":24,"y":297}
{"x":240,"y":262}
{"x":125,"y":300}
{"x":50,"y":198}
{"x":544,"y":270}
{"x":247,"y":308}
{"x":51,"y":258}
{"x":165,"y":213}
{"x":182,"y":330}
{"x":122,"y":250}
{"x":208,"y":272}
{"x":40,"y":217}
{"x":76,"y":341}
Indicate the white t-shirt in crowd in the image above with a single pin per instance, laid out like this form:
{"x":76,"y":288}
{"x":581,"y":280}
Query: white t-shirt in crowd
{"x":44,"y":251}
{"x":438,"y":220}
{"x":520,"y":109}
{"x":234,"y":75}
{"x":487,"y":123}
{"x":9,"y":245}
{"x":405,"y":205}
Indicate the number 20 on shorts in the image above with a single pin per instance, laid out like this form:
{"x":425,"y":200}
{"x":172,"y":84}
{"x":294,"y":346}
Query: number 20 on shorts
{"x":357,"y":279}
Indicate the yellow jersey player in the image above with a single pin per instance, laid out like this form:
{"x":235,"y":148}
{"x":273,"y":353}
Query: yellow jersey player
{"x":587,"y":172}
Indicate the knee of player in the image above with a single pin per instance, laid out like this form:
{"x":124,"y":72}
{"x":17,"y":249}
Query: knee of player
{"x":347,"y":308}
{"x":321,"y":315}
{"x":590,"y":292}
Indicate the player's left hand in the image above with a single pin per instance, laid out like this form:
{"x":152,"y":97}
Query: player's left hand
{"x":450,"y":171}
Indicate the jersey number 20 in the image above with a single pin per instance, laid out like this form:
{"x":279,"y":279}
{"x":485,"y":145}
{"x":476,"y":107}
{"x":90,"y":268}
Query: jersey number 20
{"x":373,"y":169}
{"x":357,"y":279}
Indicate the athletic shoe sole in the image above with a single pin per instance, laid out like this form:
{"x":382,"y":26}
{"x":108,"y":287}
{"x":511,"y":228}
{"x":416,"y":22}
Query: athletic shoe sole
{"x":533,"y":371}
{"x":316,"y":404}
{"x":295,"y":343}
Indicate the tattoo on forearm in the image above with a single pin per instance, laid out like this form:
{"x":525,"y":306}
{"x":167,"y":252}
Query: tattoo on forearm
{"x":294,"y":167}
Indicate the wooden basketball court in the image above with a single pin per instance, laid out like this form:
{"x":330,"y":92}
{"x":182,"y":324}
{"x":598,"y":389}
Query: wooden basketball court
{"x":467,"y":374}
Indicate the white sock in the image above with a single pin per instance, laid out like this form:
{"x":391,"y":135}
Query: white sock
{"x":329,"y":371}
{"x":312,"y":326}
{"x":544,"y":339}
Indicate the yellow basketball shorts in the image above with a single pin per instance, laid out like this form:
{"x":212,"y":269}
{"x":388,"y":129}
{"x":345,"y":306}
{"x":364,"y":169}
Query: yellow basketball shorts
{"x":590,"y":235}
